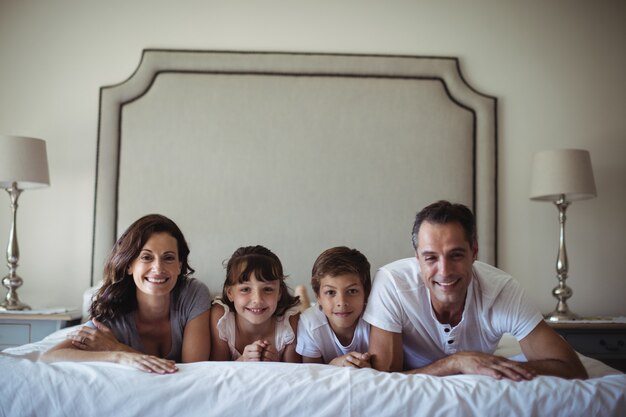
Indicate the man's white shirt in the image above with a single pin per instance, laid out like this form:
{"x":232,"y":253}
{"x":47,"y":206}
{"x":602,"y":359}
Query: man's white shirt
{"x":400,"y":303}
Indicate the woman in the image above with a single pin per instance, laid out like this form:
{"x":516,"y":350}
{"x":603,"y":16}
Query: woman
{"x":148,"y":313}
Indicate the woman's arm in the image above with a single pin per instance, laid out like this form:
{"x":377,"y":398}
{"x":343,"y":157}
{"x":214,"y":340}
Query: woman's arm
{"x":219,"y":348}
{"x":87,"y":345}
{"x":197,"y":339}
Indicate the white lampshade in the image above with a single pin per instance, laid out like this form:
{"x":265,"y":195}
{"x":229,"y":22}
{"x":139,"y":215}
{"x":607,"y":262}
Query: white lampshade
{"x":24,"y":161}
{"x":562,"y":172}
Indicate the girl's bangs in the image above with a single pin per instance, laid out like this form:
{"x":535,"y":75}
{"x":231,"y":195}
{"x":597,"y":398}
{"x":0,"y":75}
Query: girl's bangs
{"x":260,"y":266}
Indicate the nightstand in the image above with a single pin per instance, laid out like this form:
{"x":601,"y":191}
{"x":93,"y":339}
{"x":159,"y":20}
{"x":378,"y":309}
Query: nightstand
{"x":604,"y":340}
{"x":20,"y":328}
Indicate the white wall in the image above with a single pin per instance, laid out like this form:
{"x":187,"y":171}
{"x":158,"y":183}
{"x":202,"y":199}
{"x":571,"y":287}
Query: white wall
{"x":558,"y":69}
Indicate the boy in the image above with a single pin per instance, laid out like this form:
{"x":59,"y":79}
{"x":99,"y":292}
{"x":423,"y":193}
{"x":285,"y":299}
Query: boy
{"x":333,"y":331}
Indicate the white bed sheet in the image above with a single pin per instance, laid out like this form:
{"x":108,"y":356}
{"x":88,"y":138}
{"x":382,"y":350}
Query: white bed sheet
{"x":31,"y":388}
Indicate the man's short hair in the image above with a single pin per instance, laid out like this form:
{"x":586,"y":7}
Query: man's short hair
{"x":444,"y":212}
{"x":341,"y":260}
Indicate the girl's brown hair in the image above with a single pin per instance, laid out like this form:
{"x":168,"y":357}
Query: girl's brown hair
{"x":265,"y":266}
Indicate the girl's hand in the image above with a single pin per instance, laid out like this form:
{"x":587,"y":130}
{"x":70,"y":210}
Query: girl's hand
{"x":353,"y":359}
{"x":147,"y":363}
{"x":254,"y":351}
{"x":269,"y":353}
{"x":99,"y":339}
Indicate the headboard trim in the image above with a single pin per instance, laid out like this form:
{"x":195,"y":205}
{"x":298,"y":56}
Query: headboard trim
{"x":155,"y":62}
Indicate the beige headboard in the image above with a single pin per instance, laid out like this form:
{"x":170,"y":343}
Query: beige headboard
{"x":297,"y":152}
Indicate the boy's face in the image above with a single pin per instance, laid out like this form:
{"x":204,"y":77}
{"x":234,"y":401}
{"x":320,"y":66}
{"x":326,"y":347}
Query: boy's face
{"x":342,"y":299}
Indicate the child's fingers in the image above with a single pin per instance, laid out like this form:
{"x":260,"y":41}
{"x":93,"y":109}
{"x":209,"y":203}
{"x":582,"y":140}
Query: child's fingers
{"x":253,"y":352}
{"x":357,"y":360}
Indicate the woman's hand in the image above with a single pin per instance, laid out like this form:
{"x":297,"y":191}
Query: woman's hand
{"x":99,"y":339}
{"x":146,"y":363}
{"x":353,"y":359}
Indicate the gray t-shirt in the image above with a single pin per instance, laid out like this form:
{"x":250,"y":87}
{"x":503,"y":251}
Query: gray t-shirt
{"x":192,"y":301}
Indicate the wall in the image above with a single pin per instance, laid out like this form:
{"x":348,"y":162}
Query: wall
{"x":558,"y":69}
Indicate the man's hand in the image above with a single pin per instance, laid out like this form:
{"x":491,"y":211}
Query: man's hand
{"x":490,"y":365}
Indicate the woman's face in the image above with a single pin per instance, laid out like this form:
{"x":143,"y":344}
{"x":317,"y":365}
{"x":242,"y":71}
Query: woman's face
{"x":156,"y":269}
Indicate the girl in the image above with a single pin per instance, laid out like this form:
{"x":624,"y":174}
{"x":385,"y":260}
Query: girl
{"x":148,"y":313}
{"x":256,"y":318}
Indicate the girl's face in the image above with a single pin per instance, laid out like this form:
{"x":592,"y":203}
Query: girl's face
{"x":255,"y":301}
{"x":156,"y":269}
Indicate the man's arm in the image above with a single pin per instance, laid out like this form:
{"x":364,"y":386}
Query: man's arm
{"x":549,"y":354}
{"x":386,"y":355}
{"x":477,"y":363}
{"x":385,"y":350}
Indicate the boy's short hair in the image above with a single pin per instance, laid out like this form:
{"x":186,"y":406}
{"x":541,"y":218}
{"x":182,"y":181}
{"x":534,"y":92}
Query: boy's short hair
{"x":341,"y":260}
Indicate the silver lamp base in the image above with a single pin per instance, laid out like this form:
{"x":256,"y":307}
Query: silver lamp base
{"x":557,"y":316}
{"x":561,"y":292}
{"x":12,"y":301}
{"x":13,"y":281}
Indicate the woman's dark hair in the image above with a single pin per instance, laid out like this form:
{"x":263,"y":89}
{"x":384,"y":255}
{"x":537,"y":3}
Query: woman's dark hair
{"x":339,"y":261}
{"x":117,"y":295}
{"x":265,"y":266}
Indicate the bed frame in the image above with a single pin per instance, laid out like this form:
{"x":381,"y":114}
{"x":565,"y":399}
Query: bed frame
{"x":297,"y":152}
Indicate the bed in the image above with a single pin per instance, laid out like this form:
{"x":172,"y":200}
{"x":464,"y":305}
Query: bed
{"x":298,"y":152}
{"x":31,"y":388}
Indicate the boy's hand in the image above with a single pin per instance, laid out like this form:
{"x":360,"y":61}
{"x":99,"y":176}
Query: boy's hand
{"x":353,"y":359}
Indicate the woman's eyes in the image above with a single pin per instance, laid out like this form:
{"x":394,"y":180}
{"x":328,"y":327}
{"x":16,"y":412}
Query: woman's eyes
{"x":150,"y":258}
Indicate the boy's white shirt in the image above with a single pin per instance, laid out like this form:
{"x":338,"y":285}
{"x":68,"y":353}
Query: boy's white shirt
{"x":316,"y":337}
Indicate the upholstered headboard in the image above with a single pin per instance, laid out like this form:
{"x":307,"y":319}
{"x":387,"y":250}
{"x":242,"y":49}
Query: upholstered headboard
{"x":297,"y":152}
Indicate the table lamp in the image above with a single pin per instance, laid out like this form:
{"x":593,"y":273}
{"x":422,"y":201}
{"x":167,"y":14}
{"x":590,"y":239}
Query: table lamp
{"x":562,"y":176}
{"x":23,"y":165}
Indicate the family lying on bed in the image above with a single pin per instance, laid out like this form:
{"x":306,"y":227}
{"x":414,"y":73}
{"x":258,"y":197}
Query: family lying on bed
{"x":439,"y":313}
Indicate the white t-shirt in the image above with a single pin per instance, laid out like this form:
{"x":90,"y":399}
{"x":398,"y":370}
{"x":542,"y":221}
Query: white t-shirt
{"x":400,"y":303}
{"x":317,"y":339}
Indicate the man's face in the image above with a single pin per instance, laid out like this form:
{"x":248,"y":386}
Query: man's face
{"x":445,"y":257}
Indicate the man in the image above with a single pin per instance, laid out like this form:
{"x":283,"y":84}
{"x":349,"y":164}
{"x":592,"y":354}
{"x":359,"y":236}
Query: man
{"x":443,"y":312}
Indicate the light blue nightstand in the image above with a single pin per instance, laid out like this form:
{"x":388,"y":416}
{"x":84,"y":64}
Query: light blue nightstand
{"x":20,"y":328}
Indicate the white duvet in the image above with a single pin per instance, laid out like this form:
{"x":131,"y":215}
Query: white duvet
{"x":31,"y":388}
